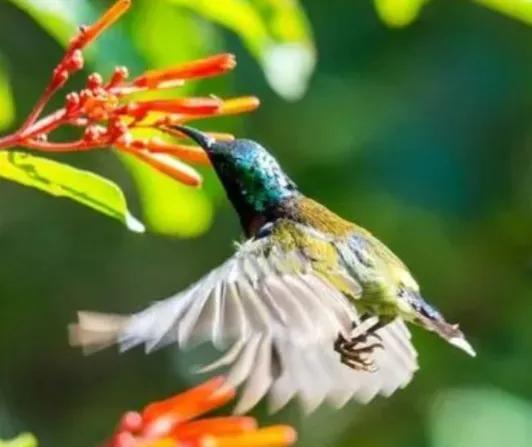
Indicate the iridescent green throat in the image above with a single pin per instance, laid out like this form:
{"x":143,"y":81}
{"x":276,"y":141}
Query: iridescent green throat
{"x":254,"y":182}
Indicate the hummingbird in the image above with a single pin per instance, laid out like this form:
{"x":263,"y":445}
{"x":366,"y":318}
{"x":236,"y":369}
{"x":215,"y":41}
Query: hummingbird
{"x":310,"y":306}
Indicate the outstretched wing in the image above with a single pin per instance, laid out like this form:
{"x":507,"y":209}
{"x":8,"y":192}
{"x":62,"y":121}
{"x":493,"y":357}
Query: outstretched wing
{"x":277,"y":318}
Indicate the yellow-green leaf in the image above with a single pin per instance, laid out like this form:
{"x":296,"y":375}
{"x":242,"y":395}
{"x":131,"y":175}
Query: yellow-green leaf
{"x":276,"y":32}
{"x":399,"y":13}
{"x":61,"y":180}
{"x":169,"y":207}
{"x":518,"y":9}
{"x":23,"y":440}
{"x":7,"y":105}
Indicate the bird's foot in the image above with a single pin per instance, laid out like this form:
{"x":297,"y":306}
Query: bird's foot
{"x":356,"y":352}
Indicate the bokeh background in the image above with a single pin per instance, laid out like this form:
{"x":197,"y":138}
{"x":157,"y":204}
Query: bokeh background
{"x":416,"y":123}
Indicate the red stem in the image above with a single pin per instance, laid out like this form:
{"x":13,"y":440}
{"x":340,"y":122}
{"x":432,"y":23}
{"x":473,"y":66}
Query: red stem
{"x":8,"y":141}
{"x":71,"y":146}
{"x":44,"y":125}
{"x":36,"y":111}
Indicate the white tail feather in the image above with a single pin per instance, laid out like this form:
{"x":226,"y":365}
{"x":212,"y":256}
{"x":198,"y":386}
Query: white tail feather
{"x":96,"y":331}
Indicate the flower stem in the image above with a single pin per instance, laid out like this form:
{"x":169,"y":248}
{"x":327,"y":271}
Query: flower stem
{"x":70,"y":146}
{"x":23,"y":136}
{"x":34,"y":114}
{"x":8,"y":141}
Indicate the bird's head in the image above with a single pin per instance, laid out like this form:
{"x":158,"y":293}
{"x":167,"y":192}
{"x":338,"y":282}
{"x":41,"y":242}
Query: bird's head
{"x":251,"y":176}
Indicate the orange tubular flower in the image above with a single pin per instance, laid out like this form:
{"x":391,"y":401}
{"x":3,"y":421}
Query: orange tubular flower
{"x":189,"y":106}
{"x":211,"y":66}
{"x":107,"y":115}
{"x":166,"y":164}
{"x":172,"y":423}
{"x":186,"y":152}
{"x":239,"y":105}
{"x":91,"y":33}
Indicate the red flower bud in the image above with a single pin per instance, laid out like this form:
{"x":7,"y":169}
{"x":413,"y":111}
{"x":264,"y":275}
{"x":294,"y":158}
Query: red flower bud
{"x":85,"y":95}
{"x":59,"y":79}
{"x":74,"y":61}
{"x":131,"y":422}
{"x":120,"y":75}
{"x":94,"y":81}
{"x":93,"y":133}
{"x":71,"y":102}
{"x":116,"y":128}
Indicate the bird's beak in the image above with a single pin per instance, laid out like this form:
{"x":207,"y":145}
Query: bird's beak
{"x":205,"y":141}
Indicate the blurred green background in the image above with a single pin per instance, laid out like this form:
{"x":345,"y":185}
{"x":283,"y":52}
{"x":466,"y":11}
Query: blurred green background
{"x":417,"y":124}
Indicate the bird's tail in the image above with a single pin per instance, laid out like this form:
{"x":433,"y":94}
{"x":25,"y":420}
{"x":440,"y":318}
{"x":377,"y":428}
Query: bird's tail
{"x":96,"y":331}
{"x":449,"y":332}
{"x":432,"y":320}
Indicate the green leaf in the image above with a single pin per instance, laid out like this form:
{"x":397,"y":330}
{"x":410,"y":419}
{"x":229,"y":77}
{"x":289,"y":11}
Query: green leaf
{"x":399,"y":13}
{"x":61,"y":180}
{"x":23,"y":440}
{"x":169,"y":207}
{"x":517,"y":9}
{"x":276,"y":32}
{"x":7,"y":105}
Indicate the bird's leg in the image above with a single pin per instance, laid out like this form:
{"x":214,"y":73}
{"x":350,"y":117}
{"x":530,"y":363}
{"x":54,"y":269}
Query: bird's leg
{"x":355,"y":352}
{"x":367,"y":329}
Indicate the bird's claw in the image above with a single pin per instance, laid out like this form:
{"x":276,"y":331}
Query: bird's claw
{"x":355,"y":356}
{"x":360,"y":365}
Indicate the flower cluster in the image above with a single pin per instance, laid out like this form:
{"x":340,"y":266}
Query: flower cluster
{"x":108,"y":115}
{"x":173,"y":423}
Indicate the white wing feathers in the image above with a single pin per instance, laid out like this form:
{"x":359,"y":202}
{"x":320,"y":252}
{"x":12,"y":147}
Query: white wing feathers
{"x":277,"y":320}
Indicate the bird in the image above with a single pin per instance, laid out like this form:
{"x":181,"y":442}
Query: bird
{"x":310,"y":306}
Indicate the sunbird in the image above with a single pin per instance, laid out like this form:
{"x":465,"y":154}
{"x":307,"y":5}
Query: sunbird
{"x":310,"y":306}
